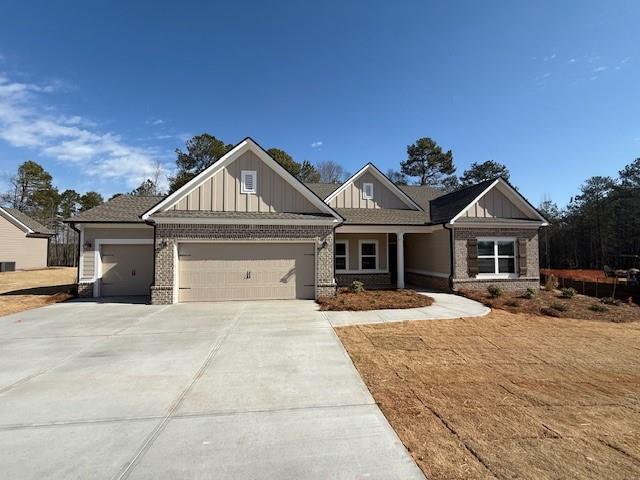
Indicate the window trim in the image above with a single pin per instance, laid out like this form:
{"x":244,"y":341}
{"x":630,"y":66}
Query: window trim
{"x":496,"y":257}
{"x":376,"y":256}
{"x":243,"y":175}
{"x":346,"y":256}
{"x":364,"y":191}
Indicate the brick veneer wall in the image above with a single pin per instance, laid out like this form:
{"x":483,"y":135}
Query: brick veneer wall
{"x":167,"y":235}
{"x":369,"y":279}
{"x":461,"y":277}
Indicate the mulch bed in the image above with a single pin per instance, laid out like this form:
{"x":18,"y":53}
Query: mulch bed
{"x":552,"y":304}
{"x":374,"y":300}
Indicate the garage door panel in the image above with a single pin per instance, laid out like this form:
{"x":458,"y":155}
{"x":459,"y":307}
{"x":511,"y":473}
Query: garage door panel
{"x":126,"y":269}
{"x":245,"y":271}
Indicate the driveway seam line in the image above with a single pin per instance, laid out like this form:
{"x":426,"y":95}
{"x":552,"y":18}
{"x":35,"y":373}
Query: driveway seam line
{"x":157,"y":430}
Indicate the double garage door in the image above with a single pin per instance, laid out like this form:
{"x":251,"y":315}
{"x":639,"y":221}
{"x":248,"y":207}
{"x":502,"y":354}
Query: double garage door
{"x":245,"y":271}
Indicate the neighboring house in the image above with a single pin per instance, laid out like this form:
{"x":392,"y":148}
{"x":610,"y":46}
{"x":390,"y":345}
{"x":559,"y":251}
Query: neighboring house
{"x":23,"y":241}
{"x":245,"y":228}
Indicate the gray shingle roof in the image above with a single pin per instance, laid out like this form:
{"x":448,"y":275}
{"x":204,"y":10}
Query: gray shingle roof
{"x":29,"y":222}
{"x":323,"y":190}
{"x":242,"y":215}
{"x":124,"y":208}
{"x":518,"y":221}
{"x":382,"y":216}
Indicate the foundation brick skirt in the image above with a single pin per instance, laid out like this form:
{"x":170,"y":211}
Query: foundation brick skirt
{"x":85,"y":290}
{"x":428,"y":281}
{"x":518,"y":285}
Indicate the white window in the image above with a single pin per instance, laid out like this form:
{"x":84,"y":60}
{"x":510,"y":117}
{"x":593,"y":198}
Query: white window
{"x":342,"y":255}
{"x":367,"y":191}
{"x":368,"y":254}
{"x":248,"y":180}
{"x":497,"y":257}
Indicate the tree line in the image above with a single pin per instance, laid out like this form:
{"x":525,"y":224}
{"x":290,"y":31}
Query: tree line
{"x":599,"y":226}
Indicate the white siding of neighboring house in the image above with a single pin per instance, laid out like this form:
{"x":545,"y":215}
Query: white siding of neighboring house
{"x":15,"y":246}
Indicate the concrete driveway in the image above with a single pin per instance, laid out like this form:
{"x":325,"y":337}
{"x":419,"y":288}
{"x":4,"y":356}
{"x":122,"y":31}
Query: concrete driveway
{"x":222,"y":390}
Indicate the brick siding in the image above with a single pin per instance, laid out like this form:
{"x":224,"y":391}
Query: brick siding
{"x":85,"y":290}
{"x":168,"y":235}
{"x":462,"y":279}
{"x":370,"y":280}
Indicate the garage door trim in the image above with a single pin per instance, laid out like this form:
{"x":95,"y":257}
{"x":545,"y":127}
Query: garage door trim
{"x":176,"y":287}
{"x":98,"y":255}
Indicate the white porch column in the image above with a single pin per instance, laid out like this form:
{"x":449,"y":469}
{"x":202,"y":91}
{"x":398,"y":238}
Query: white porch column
{"x":400,"y":260}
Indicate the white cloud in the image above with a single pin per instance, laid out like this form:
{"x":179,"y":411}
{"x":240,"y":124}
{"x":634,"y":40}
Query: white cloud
{"x":317,"y":144}
{"x":157,"y":121}
{"x":572,"y":60}
{"x":27,"y":122}
{"x":600,"y":69}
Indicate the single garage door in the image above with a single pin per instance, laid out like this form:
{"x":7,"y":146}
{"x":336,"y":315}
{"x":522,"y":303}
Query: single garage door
{"x":126,"y":270}
{"x":245,"y":271}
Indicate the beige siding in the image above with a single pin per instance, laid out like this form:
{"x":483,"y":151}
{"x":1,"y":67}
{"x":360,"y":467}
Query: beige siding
{"x":428,"y":252}
{"x":354,"y":246}
{"x":221,"y":192}
{"x":494,"y":205}
{"x":15,"y":246}
{"x":108,"y":232}
{"x":383,"y":197}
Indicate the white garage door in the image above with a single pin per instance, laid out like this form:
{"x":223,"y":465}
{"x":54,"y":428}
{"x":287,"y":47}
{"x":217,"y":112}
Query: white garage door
{"x":245,"y":271}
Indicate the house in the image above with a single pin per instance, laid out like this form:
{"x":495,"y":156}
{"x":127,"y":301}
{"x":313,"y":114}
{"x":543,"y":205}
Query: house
{"x":23,"y":241}
{"x":245,"y":228}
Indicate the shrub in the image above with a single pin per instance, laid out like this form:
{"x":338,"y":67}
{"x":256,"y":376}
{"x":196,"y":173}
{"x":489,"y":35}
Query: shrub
{"x":550,"y":312}
{"x":568,"y":292}
{"x":494,"y":291}
{"x":560,"y":307}
{"x":598,"y":308}
{"x":512,"y":302}
{"x":356,"y":287}
{"x":552,"y":283}
{"x":611,"y":301}
{"x":530,"y":293}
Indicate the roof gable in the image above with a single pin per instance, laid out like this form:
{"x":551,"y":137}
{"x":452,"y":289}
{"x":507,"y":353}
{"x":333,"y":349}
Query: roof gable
{"x":217,"y":188}
{"x":494,"y":198}
{"x":348,"y":195}
{"x":25,"y":223}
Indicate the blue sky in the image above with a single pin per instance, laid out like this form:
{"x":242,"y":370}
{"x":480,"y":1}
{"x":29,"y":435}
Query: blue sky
{"x":551,"y":89}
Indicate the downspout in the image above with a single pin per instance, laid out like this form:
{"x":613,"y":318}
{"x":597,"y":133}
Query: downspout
{"x":452,"y":255}
{"x":73,"y":227}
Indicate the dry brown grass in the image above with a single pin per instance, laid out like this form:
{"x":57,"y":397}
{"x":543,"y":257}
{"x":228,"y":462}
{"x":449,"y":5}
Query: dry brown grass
{"x":508,"y":395}
{"x":546,"y":303}
{"x":28,"y":289}
{"x":374,"y":300}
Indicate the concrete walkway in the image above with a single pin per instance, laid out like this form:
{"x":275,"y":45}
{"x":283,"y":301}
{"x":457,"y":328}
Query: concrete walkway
{"x":233,"y":390}
{"x":445,"y":305}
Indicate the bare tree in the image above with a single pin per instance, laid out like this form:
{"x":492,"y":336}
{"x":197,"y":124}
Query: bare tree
{"x":330,"y":172}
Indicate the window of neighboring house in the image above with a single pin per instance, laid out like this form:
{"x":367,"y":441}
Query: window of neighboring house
{"x":342,"y":255}
{"x":248,"y":181}
{"x":367,"y":191}
{"x":497,"y":256}
{"x":368,"y":254}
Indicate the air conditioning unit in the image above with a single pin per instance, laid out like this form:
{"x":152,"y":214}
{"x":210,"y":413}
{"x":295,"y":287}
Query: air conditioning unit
{"x":7,"y":266}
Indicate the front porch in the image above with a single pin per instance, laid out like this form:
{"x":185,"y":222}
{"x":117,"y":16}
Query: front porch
{"x":377,"y":255}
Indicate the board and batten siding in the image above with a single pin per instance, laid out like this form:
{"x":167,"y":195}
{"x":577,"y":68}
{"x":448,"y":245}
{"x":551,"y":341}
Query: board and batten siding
{"x":354,"y":245}
{"x":428,"y":253}
{"x":108,"y":232}
{"x":383,"y":197}
{"x":28,"y":252}
{"x":221,"y":192}
{"x":494,"y":205}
